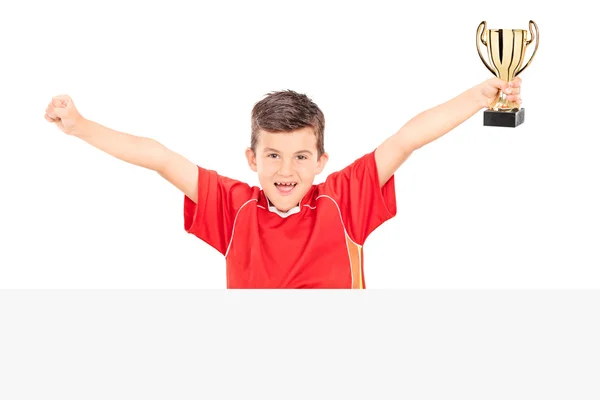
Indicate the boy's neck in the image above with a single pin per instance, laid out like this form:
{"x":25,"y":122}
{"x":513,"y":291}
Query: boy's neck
{"x":283,"y":214}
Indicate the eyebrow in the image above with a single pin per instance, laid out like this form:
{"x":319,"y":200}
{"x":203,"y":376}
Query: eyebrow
{"x":271,"y":150}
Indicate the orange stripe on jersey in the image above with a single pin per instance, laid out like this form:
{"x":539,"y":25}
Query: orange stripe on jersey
{"x":355,"y":254}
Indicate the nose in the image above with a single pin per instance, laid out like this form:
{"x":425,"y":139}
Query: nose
{"x":285,"y":168}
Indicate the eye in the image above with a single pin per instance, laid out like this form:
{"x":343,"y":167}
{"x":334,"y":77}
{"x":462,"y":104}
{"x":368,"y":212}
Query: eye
{"x":272,"y":155}
{"x":301,"y":157}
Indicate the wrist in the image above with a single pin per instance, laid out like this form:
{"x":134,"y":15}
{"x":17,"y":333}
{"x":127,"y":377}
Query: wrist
{"x":477,"y":98}
{"x":81,"y":127}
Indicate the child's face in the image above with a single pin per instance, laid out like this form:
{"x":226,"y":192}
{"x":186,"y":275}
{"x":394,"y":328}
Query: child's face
{"x":287,"y":164}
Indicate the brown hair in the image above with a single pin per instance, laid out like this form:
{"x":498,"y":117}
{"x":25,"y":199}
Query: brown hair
{"x":286,"y":111}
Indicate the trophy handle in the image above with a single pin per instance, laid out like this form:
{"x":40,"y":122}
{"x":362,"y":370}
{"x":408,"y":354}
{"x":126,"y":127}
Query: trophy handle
{"x":480,"y":37}
{"x":535,"y":37}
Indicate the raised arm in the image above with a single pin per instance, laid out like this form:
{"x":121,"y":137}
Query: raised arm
{"x":437,"y":121}
{"x":137,"y":150}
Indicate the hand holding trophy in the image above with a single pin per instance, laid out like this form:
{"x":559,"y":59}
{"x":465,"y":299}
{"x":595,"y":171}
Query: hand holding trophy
{"x":506,"y":52}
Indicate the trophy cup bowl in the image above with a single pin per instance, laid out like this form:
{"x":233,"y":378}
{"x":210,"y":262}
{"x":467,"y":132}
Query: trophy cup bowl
{"x":506,"y":54}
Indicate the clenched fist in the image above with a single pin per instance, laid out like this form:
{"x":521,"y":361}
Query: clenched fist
{"x":61,"y":111}
{"x":491,"y":89}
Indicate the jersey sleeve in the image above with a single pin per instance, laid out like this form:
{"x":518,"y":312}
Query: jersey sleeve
{"x":211,"y":218}
{"x":364,"y":205}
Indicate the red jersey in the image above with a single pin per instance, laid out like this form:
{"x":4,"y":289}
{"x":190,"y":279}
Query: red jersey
{"x":317,"y":244}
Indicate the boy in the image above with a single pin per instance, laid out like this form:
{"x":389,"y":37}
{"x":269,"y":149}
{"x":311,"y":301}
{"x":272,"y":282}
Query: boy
{"x":289,"y":233}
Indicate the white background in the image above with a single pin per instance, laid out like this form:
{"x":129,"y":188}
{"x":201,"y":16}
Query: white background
{"x":479,"y":208}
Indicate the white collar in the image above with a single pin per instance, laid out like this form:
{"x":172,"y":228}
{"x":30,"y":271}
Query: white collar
{"x":282,"y":214}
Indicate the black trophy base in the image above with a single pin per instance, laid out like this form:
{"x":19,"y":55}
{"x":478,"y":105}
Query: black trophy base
{"x":509,"y":119}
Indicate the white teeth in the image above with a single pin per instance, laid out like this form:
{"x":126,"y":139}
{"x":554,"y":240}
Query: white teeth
{"x":285,"y":184}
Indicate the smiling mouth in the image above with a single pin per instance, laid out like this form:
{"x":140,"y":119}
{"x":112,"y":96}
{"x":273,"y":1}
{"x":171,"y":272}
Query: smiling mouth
{"x":285,"y":188}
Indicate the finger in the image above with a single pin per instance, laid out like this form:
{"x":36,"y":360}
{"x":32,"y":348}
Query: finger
{"x":57,"y":109}
{"x":61,"y":100}
{"x":65,"y":97}
{"x":50,"y":112}
{"x":498,"y":83}
{"x":515,"y":82}
{"x":53,"y":117}
{"x":512,"y":90}
{"x":514,"y":98}
{"x":491,"y":87}
{"x":61,"y":112}
{"x":48,"y":118}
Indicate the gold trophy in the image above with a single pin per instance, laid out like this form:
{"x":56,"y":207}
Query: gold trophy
{"x":506,"y":53}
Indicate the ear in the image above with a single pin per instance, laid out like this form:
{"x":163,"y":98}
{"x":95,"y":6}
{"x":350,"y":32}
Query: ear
{"x":251,"y":157}
{"x":322,"y":162}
